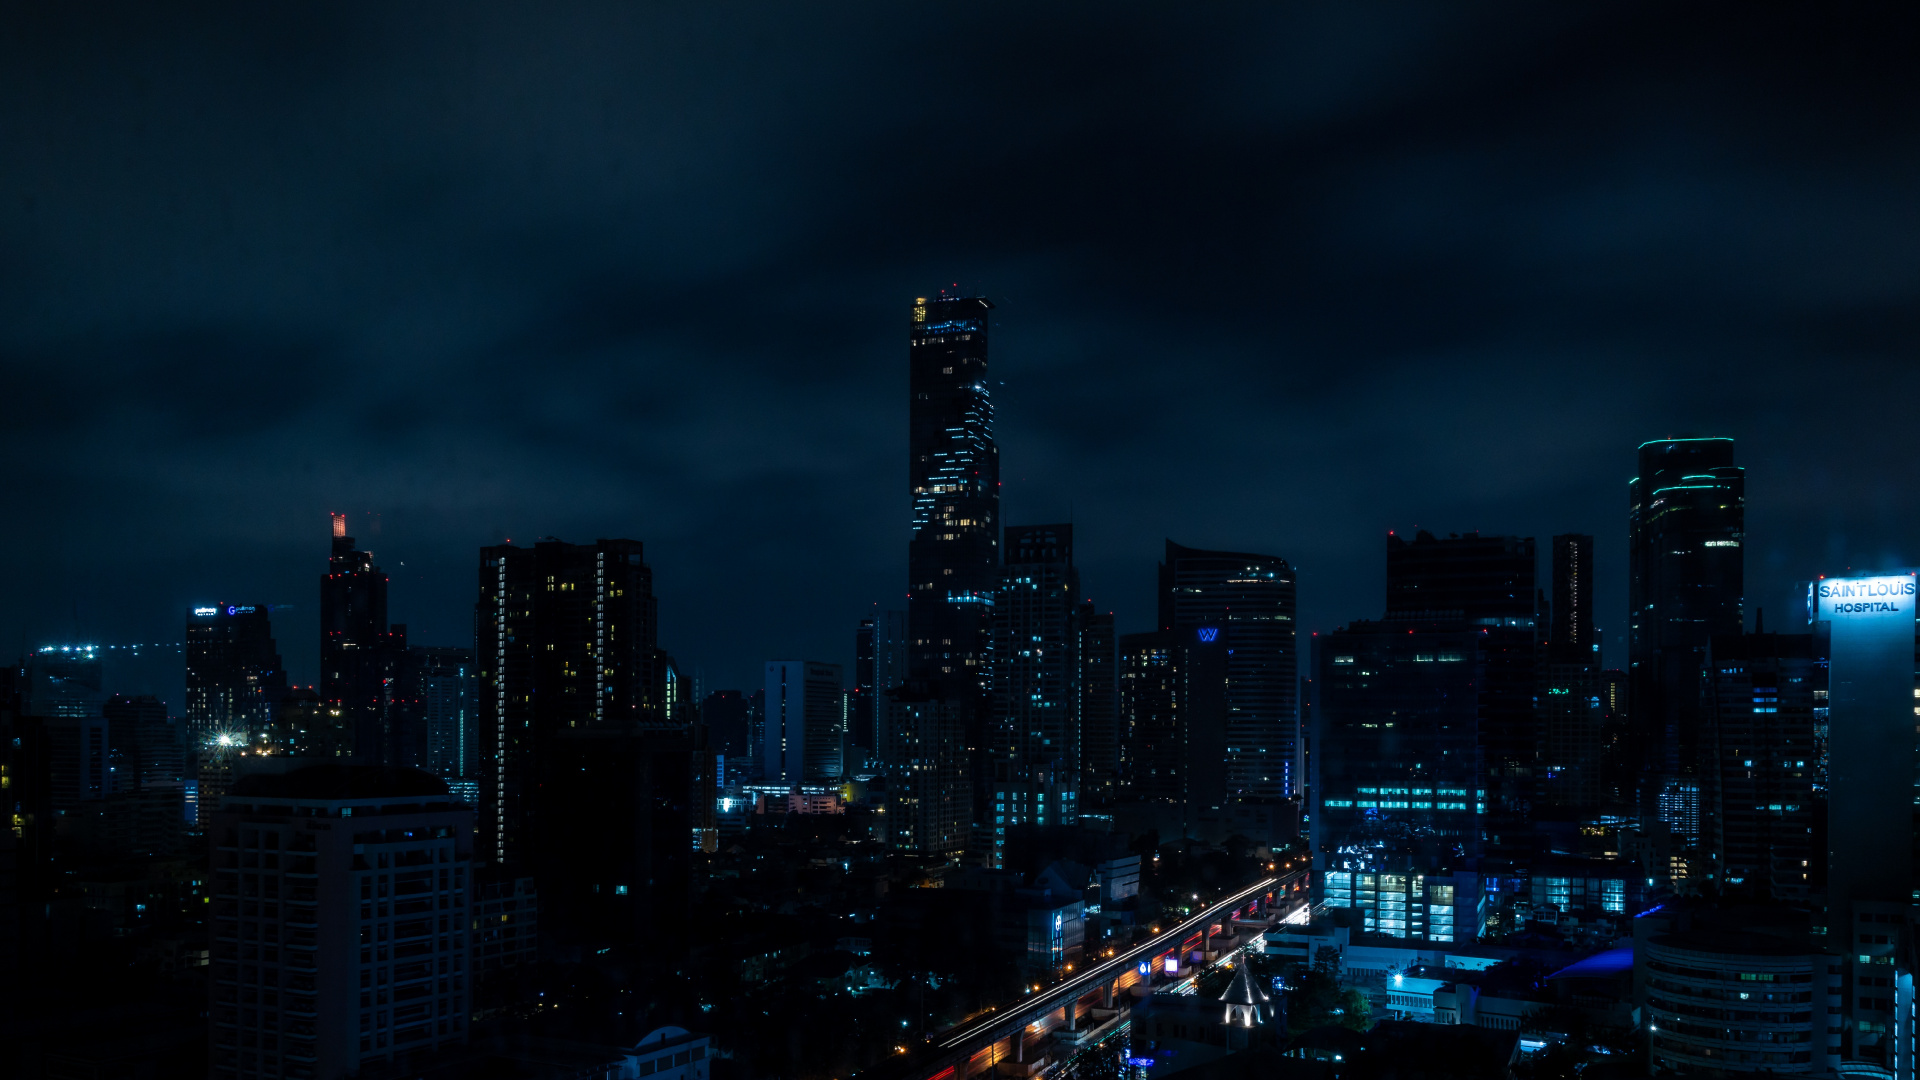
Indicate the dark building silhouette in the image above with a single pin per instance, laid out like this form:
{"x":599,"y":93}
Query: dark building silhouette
{"x":589,"y":762}
{"x":929,"y":784}
{"x":862,"y":732}
{"x":360,"y":656}
{"x":1572,"y":715}
{"x":1099,"y":707}
{"x":566,"y":642}
{"x":63,"y":681}
{"x":148,"y":748}
{"x":1484,"y":584}
{"x":1686,"y":529}
{"x":1759,"y":797}
{"x":1153,"y":731}
{"x":725,"y":712}
{"x":1249,"y":600}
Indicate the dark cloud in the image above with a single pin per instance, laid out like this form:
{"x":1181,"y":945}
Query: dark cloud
{"x":1269,"y":277}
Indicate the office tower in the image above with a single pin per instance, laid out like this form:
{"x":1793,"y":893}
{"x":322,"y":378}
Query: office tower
{"x":1760,"y":692}
{"x":62,"y":680}
{"x":1310,"y":714}
{"x":1035,"y":736}
{"x":1250,"y":600}
{"x":953,"y":476}
{"x":359,"y":656}
{"x":805,"y":733}
{"x":725,"y":714}
{"x":339,"y":921}
{"x":1099,"y":708}
{"x":1153,"y":743}
{"x":235,"y":681}
{"x":1486,"y":585}
{"x":862,"y":731}
{"x":443,"y":688}
{"x":1571,"y":714}
{"x":1686,"y":525}
{"x":147,"y":747}
{"x":566,"y":643}
{"x":889,"y":672}
{"x":1398,"y":747}
{"x":929,"y":788}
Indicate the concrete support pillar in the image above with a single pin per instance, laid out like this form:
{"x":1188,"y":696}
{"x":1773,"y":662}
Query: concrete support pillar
{"x":1106,"y":995}
{"x":1020,"y":1045}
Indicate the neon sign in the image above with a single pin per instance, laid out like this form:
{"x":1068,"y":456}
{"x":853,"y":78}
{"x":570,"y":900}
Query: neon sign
{"x":1209,"y":633}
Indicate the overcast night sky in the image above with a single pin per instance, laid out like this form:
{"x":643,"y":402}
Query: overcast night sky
{"x":1268,"y":279}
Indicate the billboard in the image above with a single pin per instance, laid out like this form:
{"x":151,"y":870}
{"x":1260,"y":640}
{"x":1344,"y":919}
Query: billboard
{"x":1868,"y":623}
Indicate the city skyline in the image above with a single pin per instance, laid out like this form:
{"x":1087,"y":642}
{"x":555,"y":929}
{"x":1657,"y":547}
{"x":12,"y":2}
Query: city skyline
{"x":1412,"y":278}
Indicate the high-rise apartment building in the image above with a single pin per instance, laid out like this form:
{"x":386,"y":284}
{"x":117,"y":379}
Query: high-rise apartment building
{"x":805,"y":723}
{"x":1485,"y":584}
{"x":359,"y":654}
{"x":1249,"y":600}
{"x":1035,"y":732}
{"x":1153,"y":730}
{"x":443,"y":692}
{"x":953,"y":476}
{"x":1759,"y":796}
{"x":725,"y":714}
{"x":235,"y":681}
{"x":339,"y":922}
{"x":862,"y":717}
{"x":586,"y":740}
{"x":566,"y":642}
{"x":1099,"y":708}
{"x":1686,"y":527}
{"x":929,"y":783}
{"x":1572,"y":716}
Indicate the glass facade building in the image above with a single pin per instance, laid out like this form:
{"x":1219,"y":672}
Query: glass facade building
{"x":1686,"y":528}
{"x":1249,"y":601}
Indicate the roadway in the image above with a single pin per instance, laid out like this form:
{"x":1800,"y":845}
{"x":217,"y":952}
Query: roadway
{"x":963,"y":1040}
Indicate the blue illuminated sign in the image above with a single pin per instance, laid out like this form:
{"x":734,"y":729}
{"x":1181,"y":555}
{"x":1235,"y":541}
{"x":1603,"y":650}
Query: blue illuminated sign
{"x":1208,"y":633}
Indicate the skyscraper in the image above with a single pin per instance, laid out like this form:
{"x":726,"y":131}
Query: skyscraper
{"x":1099,"y":707}
{"x":359,"y":657}
{"x":1686,"y":526}
{"x":566,"y":643}
{"x":1036,"y":653}
{"x":1759,"y":792}
{"x":953,"y":476}
{"x":805,"y":733}
{"x":1397,"y":747}
{"x":235,"y":681}
{"x":861,"y":730}
{"x":1485,"y":585}
{"x":1572,"y":715}
{"x":588,"y":766}
{"x":1153,"y":732}
{"x":1250,"y":600}
{"x":444,"y":692}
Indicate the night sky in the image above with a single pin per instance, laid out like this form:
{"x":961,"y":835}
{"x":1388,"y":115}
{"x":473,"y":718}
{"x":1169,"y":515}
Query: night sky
{"x":1267,"y":279}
